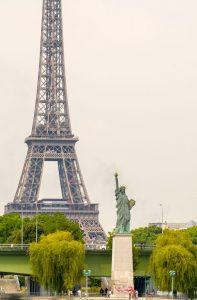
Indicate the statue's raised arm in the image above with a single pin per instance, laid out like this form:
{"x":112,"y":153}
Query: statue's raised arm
{"x":116,"y":179}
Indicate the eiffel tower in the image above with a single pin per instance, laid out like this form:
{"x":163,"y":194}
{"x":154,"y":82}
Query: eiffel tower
{"x":52,"y":139}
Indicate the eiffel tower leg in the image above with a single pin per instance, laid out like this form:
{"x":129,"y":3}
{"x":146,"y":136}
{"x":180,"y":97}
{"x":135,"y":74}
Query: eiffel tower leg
{"x":66,"y":194}
{"x":84,"y":191}
{"x":74,"y":180}
{"x":71,"y":185}
{"x":29,"y":183}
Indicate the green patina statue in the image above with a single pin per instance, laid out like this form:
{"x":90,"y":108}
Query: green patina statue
{"x":123,"y":205}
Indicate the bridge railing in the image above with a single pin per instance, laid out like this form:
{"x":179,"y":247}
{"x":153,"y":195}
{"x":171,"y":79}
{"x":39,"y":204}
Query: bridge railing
{"x":144,"y":246}
{"x":23,"y":247}
{"x":14,"y":247}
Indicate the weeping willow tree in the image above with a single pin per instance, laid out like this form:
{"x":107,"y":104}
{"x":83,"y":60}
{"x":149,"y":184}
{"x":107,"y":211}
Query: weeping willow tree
{"x":57,"y":261}
{"x":174,"y":251}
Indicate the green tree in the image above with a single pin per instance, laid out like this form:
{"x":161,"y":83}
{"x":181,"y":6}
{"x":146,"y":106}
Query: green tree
{"x":57,"y":261}
{"x":109,"y":239}
{"x":58,"y":221}
{"x":10,"y":227}
{"x":174,"y":251}
{"x":146,"y":235}
{"x":29,"y":232}
{"x":8,"y":224}
{"x":193,"y":234}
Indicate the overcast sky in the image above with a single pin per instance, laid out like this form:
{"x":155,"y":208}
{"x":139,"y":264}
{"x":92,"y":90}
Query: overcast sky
{"x":131,"y":68}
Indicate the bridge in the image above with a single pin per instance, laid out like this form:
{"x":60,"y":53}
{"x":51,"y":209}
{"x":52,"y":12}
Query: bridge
{"x":14,"y":259}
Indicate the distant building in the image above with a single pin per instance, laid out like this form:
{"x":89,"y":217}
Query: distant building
{"x":177,"y":226}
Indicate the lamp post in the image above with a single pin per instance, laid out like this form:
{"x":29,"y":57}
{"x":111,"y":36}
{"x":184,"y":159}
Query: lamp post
{"x":172,"y":275}
{"x":161,"y":216}
{"x":86,"y":273}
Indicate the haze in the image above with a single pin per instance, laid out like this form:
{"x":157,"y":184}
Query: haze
{"x":131,"y":68}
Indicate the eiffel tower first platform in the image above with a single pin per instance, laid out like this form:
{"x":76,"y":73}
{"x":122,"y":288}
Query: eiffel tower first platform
{"x":51,"y":139}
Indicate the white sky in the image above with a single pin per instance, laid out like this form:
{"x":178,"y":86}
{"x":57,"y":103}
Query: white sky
{"x":131,"y":70}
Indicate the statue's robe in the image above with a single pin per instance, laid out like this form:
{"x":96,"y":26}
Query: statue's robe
{"x":123,"y":212}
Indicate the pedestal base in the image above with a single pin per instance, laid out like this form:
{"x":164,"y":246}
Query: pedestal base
{"x":122,"y":265}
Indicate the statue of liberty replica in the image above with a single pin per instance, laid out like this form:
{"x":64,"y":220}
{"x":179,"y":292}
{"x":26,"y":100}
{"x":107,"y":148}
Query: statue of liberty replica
{"x":123,"y":205}
{"x":122,"y":256}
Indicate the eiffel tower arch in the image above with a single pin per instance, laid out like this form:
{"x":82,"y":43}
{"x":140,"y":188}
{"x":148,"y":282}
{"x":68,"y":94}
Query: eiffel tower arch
{"x":52,"y":139}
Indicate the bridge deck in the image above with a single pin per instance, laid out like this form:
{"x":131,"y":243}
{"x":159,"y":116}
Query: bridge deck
{"x":16,"y":261}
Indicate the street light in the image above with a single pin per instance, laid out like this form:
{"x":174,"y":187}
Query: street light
{"x":86,"y":273}
{"x":172,"y":275}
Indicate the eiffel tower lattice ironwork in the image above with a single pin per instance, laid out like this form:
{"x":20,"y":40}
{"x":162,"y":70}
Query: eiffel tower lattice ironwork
{"x":51,"y":138}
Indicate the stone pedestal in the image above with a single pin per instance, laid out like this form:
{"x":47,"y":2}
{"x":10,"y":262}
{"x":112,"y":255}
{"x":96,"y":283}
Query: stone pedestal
{"x":122,"y":264}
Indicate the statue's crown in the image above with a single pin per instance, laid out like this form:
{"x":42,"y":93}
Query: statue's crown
{"x":123,"y":186}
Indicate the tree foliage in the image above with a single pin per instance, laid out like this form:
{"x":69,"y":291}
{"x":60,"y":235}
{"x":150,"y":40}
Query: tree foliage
{"x":10,"y":227}
{"x":193,"y":234}
{"x":109,"y":239}
{"x":174,"y":251}
{"x":146,"y":235}
{"x":8,"y":224}
{"x":57,"y":260}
